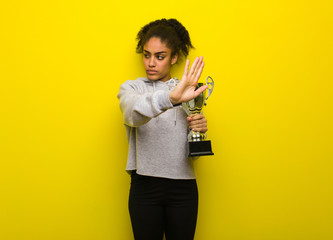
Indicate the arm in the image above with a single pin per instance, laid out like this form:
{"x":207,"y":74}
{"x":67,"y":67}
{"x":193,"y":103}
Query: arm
{"x":139,"y":108}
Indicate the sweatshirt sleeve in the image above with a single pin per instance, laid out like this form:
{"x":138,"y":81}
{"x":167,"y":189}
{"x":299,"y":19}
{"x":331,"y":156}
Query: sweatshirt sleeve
{"x":139,"y":107}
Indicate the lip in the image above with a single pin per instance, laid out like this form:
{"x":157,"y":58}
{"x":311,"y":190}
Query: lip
{"x":151,"y":72}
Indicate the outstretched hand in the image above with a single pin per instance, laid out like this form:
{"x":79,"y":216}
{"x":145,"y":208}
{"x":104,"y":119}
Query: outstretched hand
{"x":185,"y":89}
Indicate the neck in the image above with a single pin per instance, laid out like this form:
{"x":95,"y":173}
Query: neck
{"x":166,"y":78}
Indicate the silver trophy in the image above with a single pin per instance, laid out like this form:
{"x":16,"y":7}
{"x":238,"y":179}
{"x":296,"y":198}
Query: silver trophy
{"x":198,"y":146}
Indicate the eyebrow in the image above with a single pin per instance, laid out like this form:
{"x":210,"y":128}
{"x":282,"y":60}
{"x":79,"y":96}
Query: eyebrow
{"x":155,"y":53}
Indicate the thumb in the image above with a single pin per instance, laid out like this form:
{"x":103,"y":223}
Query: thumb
{"x":200,"y":90}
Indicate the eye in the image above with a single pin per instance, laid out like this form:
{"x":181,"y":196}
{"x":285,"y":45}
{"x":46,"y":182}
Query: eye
{"x":160,"y":57}
{"x":146,"y":55}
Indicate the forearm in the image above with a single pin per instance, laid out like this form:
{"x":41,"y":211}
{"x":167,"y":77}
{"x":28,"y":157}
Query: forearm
{"x":140,"y":108}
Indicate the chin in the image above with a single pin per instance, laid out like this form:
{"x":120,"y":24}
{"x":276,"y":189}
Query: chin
{"x":153,"y":78}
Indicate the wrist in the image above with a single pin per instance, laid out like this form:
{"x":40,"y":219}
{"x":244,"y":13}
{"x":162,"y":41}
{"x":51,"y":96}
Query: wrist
{"x":173,"y":100}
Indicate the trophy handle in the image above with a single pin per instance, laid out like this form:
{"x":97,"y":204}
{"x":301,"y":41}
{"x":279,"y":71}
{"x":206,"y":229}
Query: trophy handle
{"x":210,"y":87}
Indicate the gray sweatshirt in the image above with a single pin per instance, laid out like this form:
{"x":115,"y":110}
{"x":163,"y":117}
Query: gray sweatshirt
{"x":156,"y":130}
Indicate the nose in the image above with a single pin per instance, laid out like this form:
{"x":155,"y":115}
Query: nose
{"x":151,"y":62}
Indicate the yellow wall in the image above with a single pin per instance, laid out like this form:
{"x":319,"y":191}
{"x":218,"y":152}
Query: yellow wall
{"x":63,"y":146}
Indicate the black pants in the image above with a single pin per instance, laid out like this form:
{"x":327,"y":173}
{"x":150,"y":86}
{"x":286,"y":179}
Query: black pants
{"x":161,"y":205}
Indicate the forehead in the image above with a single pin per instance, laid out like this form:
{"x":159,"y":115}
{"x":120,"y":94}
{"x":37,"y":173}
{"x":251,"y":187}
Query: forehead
{"x":154,"y":45}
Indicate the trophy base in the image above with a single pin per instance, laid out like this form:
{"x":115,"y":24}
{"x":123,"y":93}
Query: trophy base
{"x":201,"y":148}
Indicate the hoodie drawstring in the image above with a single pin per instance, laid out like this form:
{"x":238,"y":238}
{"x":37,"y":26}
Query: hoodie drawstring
{"x":154,"y":88}
{"x":172,"y":82}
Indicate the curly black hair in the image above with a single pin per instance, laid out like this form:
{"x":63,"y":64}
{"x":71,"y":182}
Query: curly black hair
{"x":170,"y":31}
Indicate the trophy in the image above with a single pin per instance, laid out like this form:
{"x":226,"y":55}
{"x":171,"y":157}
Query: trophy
{"x":198,"y":146}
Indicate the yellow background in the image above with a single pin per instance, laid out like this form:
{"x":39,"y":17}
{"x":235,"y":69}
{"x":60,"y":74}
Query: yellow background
{"x":63,"y":146}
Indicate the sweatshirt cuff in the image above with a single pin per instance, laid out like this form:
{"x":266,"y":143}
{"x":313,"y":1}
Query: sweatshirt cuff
{"x":176,"y":105}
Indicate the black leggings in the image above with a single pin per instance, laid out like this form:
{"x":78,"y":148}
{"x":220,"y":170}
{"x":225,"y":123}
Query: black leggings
{"x":161,"y":205}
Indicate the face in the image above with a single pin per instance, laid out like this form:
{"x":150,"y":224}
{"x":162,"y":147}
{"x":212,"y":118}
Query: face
{"x":157,"y":60}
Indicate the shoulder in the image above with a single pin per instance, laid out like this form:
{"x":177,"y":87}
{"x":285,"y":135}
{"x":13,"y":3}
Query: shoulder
{"x":138,"y":85}
{"x":141,"y":81}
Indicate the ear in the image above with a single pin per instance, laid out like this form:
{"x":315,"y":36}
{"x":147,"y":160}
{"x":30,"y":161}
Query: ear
{"x":174,"y":59}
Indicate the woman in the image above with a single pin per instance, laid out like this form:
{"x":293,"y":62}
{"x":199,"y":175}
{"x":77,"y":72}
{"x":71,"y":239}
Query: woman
{"x":163,"y":195}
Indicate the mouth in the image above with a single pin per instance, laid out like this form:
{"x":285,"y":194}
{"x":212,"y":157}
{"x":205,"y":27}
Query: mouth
{"x":151,"y":72}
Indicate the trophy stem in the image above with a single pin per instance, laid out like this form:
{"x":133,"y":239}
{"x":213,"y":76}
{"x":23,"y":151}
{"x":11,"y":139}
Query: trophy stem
{"x":196,"y":136}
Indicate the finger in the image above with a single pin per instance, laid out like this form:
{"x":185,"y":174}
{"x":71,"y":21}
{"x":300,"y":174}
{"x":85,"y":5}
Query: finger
{"x":194,"y":65}
{"x":200,"y":129}
{"x":186,"y":67}
{"x":197,"y":67}
{"x":196,"y":126}
{"x":189,"y":118}
{"x":199,"y":71}
{"x":200,"y":90}
{"x":198,"y":123}
{"x":197,"y":117}
{"x":194,"y":117}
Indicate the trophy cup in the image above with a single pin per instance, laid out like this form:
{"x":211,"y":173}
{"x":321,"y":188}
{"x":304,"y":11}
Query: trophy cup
{"x":198,"y":146}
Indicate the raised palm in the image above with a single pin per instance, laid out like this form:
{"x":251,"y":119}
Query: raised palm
{"x":185,"y":89}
